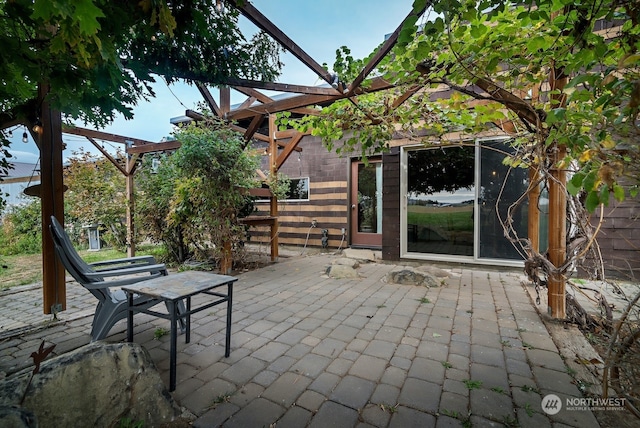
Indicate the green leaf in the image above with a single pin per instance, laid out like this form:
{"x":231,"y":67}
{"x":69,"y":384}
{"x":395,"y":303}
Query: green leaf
{"x":575,"y":184}
{"x":478,"y":30}
{"x":556,"y":115}
{"x":418,"y":5}
{"x":581,"y":78}
{"x":603,"y":195}
{"x":592,"y":202}
{"x":630,"y":61}
{"x":589,"y":181}
{"x":618,"y":192}
{"x":87,"y":15}
{"x":536,"y":44}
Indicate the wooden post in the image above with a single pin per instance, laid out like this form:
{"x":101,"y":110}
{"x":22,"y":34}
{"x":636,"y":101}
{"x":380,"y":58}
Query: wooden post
{"x":273,"y":201}
{"x":226,"y":262}
{"x":533,"y":224}
{"x":131,"y":236}
{"x":557,"y":209}
{"x":52,"y":198}
{"x":557,"y":234}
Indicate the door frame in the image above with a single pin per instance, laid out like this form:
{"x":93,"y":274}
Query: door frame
{"x":360,"y":239}
{"x":403,"y":196}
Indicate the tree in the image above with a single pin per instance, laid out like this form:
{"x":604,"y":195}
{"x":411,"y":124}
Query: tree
{"x":96,"y":195}
{"x":561,"y":78}
{"x":499,"y":57}
{"x":93,"y":59}
{"x":98,"y":57}
{"x":193,"y":200}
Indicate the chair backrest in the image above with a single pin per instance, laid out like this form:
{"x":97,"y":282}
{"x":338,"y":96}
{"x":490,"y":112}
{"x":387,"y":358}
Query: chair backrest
{"x":72,"y":261}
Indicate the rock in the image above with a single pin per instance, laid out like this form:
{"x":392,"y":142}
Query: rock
{"x":97,"y":385}
{"x":409,"y":276}
{"x":347,"y":262}
{"x":17,"y":417}
{"x":435,"y":271}
{"x":359,"y":254}
{"x":341,"y":271}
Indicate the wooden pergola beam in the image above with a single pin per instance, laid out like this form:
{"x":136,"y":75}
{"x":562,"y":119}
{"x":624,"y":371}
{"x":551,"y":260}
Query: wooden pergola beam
{"x":383,"y":51}
{"x":84,"y":132}
{"x":253,"y":127}
{"x":262,"y":22}
{"x":248,"y":102}
{"x":282,"y":87}
{"x":288,"y":104}
{"x":155,"y":147}
{"x":259,"y":96}
{"x":206,"y":94}
{"x":108,"y":156}
{"x":288,"y":149}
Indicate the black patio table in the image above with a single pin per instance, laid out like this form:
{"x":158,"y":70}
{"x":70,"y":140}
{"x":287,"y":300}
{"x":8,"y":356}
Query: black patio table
{"x":173,"y":289}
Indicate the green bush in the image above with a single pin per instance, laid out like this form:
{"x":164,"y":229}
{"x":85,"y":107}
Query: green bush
{"x":21,"y":231}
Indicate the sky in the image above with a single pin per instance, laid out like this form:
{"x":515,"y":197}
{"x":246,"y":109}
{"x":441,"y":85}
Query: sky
{"x":318,"y":27}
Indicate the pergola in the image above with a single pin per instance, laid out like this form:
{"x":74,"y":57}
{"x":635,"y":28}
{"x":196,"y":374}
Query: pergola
{"x":254,"y":118}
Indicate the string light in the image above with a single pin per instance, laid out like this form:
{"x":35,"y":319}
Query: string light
{"x":37,"y":127}
{"x":25,"y":137}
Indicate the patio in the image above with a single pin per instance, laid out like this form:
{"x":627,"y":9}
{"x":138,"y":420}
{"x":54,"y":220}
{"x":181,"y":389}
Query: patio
{"x":309,"y":350}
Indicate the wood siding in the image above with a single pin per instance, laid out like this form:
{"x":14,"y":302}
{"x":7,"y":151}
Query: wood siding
{"x":327,"y":204}
{"x":391,"y":205}
{"x":619,"y":238}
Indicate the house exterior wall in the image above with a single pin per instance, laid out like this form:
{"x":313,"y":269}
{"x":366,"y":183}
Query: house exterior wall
{"x":327,"y":204}
{"x":619,"y":238}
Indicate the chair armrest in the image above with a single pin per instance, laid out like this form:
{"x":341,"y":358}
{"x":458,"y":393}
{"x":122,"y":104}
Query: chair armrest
{"x":119,"y":282}
{"x":139,"y":260}
{"x":98,"y":275}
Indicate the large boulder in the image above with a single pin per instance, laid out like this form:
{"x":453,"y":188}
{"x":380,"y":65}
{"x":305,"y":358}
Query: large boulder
{"x":98,"y":385}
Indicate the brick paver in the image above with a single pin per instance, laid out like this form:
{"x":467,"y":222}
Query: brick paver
{"x":308,"y":350}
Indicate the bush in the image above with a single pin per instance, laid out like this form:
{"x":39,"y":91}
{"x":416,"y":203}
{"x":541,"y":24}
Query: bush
{"x":21,"y":231}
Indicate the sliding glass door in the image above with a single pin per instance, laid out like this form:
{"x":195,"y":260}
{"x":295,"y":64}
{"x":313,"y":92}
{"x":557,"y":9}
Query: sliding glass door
{"x":440,"y":196}
{"x":456,"y":200}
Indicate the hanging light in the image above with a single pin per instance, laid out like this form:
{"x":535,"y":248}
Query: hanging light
{"x":10,"y":133}
{"x":37,"y":126}
{"x":25,"y":137}
{"x":219,"y":6}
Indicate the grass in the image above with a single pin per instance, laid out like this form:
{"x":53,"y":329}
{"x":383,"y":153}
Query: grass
{"x":159,"y":332}
{"x":460,"y":220}
{"x":424,"y":300}
{"x":473,"y":384}
{"x":24,"y":269}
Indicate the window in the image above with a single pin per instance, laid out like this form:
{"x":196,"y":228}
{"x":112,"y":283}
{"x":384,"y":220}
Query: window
{"x":298,"y":189}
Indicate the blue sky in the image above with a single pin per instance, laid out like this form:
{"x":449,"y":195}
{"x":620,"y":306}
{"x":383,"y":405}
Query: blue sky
{"x":319,"y":28}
